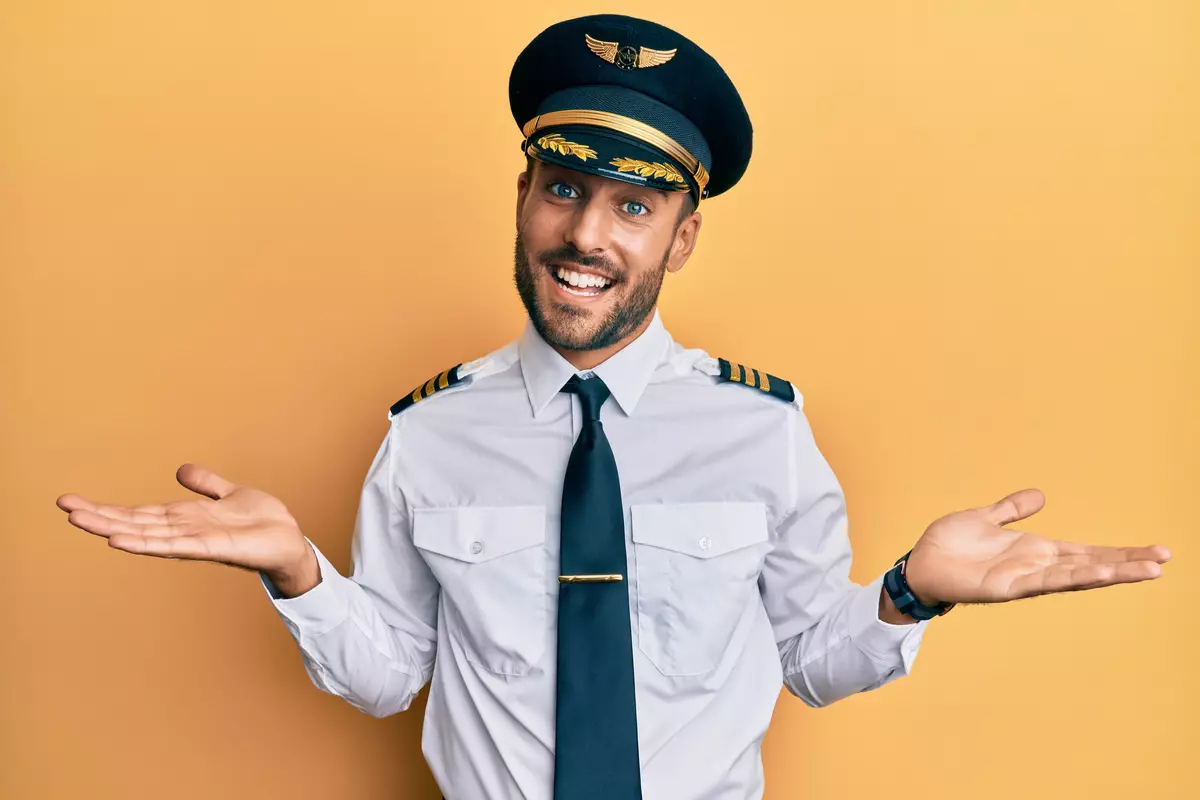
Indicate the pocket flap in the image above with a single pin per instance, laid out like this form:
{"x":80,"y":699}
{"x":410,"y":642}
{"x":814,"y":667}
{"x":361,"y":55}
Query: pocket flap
{"x":703,"y":530}
{"x":478,"y":533}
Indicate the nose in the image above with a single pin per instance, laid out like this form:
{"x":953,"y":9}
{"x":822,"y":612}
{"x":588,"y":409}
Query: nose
{"x":588,"y":229}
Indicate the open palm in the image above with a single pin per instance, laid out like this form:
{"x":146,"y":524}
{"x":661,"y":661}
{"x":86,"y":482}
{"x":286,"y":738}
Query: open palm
{"x":967,"y":557}
{"x":232,"y":524}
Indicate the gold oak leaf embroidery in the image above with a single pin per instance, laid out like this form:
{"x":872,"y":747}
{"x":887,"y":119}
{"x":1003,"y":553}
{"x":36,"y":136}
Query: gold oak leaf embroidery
{"x":647,"y":169}
{"x":556,"y":143}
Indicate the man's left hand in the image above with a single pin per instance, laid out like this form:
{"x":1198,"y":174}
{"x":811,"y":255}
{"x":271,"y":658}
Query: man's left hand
{"x":967,"y":557}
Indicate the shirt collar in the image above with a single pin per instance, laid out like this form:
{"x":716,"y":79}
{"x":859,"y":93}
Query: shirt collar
{"x":626,"y":373}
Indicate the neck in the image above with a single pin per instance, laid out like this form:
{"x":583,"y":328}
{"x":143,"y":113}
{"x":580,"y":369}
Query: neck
{"x":589,"y":359}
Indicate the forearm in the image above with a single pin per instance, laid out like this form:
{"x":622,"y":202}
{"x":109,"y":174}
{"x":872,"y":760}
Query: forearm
{"x":851,"y":648}
{"x":348,"y":648}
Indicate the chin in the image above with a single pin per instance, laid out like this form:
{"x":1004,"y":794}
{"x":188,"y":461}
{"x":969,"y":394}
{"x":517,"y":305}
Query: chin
{"x":568,"y":331}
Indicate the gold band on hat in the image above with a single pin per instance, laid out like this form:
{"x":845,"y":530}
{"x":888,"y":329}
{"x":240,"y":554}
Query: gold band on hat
{"x":627,"y":125}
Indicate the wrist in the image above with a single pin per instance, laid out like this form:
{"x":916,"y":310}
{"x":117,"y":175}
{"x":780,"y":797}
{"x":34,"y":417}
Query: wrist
{"x":299,"y":578}
{"x":903,"y":596}
{"x":921,"y":596}
{"x":889,"y":613}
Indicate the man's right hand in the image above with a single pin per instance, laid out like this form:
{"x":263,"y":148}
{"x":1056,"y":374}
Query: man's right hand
{"x":232,"y":524}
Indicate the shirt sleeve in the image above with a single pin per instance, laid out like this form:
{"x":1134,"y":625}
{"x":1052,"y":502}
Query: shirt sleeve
{"x":831,"y":641}
{"x":369,"y":638}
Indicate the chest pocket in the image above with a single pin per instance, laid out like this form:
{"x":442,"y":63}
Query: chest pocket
{"x":491,"y":564}
{"x":697,"y":567}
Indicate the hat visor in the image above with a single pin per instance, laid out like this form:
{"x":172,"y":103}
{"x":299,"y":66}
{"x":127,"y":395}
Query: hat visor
{"x":610,"y":154}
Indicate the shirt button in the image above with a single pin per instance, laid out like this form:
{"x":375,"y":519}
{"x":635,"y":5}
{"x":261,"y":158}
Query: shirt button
{"x":476,"y":547}
{"x":705,"y":542}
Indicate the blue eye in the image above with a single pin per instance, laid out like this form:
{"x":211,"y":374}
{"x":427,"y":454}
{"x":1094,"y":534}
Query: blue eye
{"x":558,"y":193}
{"x":639,"y":205}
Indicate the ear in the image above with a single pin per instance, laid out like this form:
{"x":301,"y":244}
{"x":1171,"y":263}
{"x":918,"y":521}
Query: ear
{"x":684,"y":242}
{"x":523,"y":181}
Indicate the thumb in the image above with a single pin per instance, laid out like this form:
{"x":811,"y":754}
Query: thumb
{"x":204,"y":481}
{"x":1018,"y":505}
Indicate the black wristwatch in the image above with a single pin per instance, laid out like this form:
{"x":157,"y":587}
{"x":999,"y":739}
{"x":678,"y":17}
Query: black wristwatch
{"x":906,"y":602}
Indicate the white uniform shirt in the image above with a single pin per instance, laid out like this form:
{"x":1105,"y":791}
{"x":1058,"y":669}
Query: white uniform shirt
{"x":738,"y":566}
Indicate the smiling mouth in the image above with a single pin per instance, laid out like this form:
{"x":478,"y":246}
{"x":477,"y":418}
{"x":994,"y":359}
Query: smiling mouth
{"x":580,"y":284}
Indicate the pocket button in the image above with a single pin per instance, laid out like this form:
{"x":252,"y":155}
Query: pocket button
{"x":476,"y":547}
{"x":705,"y":542}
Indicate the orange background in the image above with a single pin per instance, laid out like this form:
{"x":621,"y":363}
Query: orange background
{"x":235,"y":232}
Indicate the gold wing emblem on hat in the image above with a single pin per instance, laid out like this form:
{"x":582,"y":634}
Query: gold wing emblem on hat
{"x":652,"y":58}
{"x":624,"y":56}
{"x":606,"y":50}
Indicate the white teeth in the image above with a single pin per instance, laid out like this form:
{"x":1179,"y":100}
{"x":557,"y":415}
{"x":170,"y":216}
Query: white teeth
{"x":581,"y":294}
{"x":583,"y":281}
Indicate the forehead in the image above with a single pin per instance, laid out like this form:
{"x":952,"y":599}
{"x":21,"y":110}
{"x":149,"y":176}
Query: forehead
{"x":595,"y":182}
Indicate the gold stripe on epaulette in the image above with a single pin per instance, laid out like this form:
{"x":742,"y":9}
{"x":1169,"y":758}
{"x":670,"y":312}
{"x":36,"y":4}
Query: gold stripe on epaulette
{"x":735,"y":372}
{"x":416,"y":395}
{"x":443,"y":379}
{"x":763,"y":382}
{"x":429,"y":389}
{"x":752,"y":378}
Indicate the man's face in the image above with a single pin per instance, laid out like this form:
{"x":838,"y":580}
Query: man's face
{"x":591,"y":252}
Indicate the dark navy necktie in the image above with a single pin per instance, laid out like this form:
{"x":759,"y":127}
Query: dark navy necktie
{"x":596,"y":746}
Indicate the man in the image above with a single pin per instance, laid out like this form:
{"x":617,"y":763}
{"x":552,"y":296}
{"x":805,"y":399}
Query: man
{"x":612,"y":548}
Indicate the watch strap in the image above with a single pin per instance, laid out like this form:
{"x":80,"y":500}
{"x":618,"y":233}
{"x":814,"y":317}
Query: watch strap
{"x":895,"y":584}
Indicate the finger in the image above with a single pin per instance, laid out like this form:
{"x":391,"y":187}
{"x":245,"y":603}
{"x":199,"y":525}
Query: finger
{"x":1015,"y":506}
{"x":70,"y":502}
{"x":150,"y":515}
{"x":144,"y":513}
{"x":101,"y":525}
{"x":189,"y":547}
{"x":1071,"y":577}
{"x":204,"y":481}
{"x":1075,"y":553}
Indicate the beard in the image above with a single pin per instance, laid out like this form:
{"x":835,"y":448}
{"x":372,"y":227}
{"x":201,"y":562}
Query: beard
{"x":570,"y":327}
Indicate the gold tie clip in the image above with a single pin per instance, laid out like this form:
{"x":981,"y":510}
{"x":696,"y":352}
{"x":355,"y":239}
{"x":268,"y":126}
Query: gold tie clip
{"x":588,"y":578}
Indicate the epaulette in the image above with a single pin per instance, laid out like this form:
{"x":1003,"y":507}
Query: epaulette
{"x":427,"y":389}
{"x":754,"y":379}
